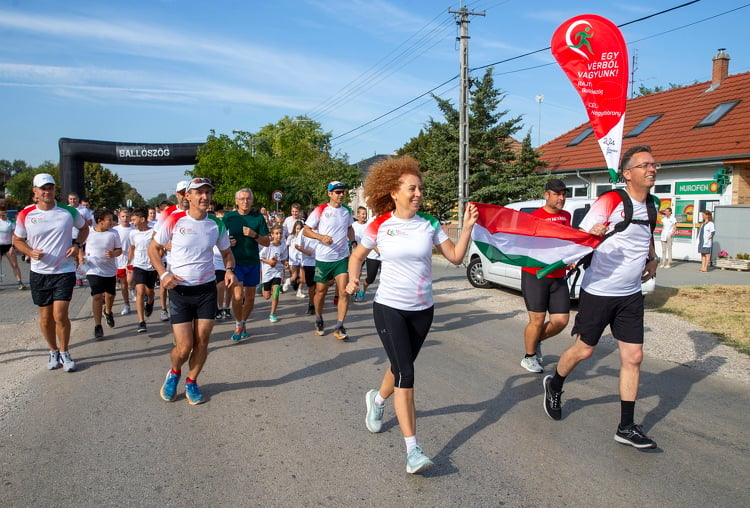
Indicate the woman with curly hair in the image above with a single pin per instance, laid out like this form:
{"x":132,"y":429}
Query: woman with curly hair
{"x":403,"y":305}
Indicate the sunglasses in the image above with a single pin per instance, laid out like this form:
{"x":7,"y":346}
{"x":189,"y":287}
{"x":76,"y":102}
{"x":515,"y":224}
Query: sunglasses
{"x":338,"y":192}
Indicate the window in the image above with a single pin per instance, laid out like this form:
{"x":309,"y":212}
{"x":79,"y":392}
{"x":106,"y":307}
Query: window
{"x":601,"y":189}
{"x":717,"y":114}
{"x":664,"y":188}
{"x":642,"y":126}
{"x":580,"y":192}
{"x":583,"y":135}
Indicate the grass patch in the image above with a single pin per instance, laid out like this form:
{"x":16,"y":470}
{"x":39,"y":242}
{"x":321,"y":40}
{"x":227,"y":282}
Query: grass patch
{"x":721,"y":310}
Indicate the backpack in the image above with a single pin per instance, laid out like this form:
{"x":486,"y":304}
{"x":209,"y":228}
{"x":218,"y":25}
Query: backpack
{"x":627,"y":206}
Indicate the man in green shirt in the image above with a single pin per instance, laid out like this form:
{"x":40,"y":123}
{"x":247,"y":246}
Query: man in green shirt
{"x":247,"y":229}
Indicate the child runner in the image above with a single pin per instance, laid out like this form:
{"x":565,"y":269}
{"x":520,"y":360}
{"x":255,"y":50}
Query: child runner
{"x":306,"y":247}
{"x":273,"y":259}
{"x":144,"y":275}
{"x":124,"y":271}
{"x":295,"y":257}
{"x":102,"y":250}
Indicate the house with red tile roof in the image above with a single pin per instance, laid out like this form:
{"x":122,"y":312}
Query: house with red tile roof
{"x":699,"y":133}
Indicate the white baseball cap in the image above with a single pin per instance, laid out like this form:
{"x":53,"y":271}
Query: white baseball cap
{"x":181,"y":186}
{"x":43,"y":179}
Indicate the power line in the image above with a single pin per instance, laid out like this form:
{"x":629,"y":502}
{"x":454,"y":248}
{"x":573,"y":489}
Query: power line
{"x":533,"y":53}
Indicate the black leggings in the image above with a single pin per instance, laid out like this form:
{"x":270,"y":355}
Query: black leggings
{"x":373,"y":266}
{"x":402,"y":333}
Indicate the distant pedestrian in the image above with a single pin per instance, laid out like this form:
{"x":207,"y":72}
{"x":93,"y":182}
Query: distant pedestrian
{"x":6,"y":246}
{"x":403,"y":307}
{"x":191,"y":281}
{"x":706,"y":238}
{"x":44,"y":232}
{"x":144,"y":274}
{"x":124,"y":271}
{"x":668,"y":225}
{"x":274,"y":259}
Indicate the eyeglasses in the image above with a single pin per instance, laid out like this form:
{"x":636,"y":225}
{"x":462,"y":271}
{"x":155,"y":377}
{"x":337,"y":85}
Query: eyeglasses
{"x":645,"y":165}
{"x":338,"y":192}
{"x":244,"y":199}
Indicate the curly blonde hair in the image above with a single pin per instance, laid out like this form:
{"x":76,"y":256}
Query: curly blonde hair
{"x":384,"y":178}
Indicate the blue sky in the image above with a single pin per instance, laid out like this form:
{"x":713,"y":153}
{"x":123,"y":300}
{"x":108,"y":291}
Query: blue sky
{"x":168,"y":71}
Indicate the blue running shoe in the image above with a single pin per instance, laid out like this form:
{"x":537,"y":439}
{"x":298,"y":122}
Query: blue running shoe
{"x":169,"y":388}
{"x":193,"y":394}
{"x":239,"y":334}
{"x":417,"y":461}
{"x":374,"y":418}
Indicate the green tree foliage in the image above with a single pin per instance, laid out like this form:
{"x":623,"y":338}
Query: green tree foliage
{"x":644,"y":90}
{"x":129,"y":192}
{"x":102,"y":187}
{"x":498,"y":172}
{"x":20,"y":187}
{"x":154,"y":201}
{"x":291,"y":155}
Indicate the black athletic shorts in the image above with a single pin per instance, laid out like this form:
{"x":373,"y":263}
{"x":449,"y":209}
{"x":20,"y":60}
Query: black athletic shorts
{"x":623,"y":314}
{"x":546,"y":294}
{"x":187,"y":303}
{"x":4,"y":249}
{"x":309,"y":275}
{"x":267,"y":286}
{"x":101,"y":284}
{"x":47,"y":288}
{"x":220,"y":274}
{"x":146,"y":277}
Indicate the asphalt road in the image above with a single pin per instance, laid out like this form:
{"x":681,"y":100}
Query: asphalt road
{"x":284,"y":423}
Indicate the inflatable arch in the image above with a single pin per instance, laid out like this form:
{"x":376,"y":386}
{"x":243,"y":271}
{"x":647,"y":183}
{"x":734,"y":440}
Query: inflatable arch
{"x":74,"y":152}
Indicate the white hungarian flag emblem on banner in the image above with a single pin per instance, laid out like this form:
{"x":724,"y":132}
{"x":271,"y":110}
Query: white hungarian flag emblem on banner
{"x":520,"y":239}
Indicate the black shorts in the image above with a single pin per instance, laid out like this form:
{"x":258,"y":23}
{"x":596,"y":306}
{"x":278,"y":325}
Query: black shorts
{"x":220,"y":274}
{"x":47,"y":288}
{"x":101,"y":284}
{"x":4,"y":249}
{"x":373,"y":265}
{"x":267,"y":286}
{"x":146,"y":277}
{"x":623,"y":314}
{"x":309,"y":275}
{"x":402,"y":333}
{"x":546,"y":294}
{"x":187,"y":303}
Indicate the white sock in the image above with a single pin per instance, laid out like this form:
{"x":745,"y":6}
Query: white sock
{"x":379,"y":400}
{"x":411,"y":442}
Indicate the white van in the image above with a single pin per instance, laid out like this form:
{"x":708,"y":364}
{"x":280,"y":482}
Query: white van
{"x":482,"y":273}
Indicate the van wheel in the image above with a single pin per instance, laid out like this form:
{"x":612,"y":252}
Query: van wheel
{"x":475,"y":274}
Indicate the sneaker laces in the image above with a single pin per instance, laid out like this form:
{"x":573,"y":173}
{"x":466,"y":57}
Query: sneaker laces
{"x":554,"y":398}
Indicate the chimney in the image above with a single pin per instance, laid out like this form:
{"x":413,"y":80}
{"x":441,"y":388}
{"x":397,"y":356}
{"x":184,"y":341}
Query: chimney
{"x":720,"y":67}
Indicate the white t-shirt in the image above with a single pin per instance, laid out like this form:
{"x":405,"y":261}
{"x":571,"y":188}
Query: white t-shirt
{"x":618,"y":262}
{"x":667,"y":227}
{"x":307,"y":244}
{"x":6,"y":232}
{"x":88,"y":216}
{"x":333,"y":222}
{"x":273,"y":251}
{"x":140,"y":240}
{"x":124,"y":232}
{"x":406,"y":253}
{"x":218,"y":260}
{"x":50,"y":231}
{"x":96,"y":244}
{"x":192,"y":256}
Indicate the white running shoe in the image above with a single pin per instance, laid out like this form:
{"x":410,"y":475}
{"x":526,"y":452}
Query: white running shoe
{"x":125,"y":310}
{"x":164,"y":316}
{"x":287,"y":285}
{"x":300,"y":294}
{"x":68,"y":364}
{"x":531,"y":364}
{"x":54,"y":360}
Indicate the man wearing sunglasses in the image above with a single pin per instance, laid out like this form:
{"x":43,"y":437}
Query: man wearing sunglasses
{"x":611,"y":292}
{"x":191,"y":282}
{"x":331,"y":225}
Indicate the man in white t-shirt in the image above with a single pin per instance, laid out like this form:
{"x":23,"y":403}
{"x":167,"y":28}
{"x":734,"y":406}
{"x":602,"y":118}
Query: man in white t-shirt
{"x":191,"y":281}
{"x":668,"y":225}
{"x":44,"y":233}
{"x":611,"y":292}
{"x":331,"y":225}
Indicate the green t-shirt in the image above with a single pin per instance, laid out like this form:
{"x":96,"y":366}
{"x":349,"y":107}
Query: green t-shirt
{"x":246,"y":250}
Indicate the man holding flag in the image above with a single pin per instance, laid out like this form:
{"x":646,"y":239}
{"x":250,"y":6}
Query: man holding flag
{"x":611,"y":293}
{"x":549,"y":293}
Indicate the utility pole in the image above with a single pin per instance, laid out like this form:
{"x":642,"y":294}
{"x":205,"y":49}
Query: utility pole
{"x":462,"y":20}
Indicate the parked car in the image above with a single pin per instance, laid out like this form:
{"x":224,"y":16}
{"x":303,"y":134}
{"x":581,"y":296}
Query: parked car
{"x":482,"y":273}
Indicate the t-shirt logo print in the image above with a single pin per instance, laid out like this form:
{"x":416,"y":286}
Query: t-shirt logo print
{"x":186,"y":231}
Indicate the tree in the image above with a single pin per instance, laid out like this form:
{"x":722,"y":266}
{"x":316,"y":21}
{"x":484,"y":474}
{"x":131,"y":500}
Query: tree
{"x":497,"y":174}
{"x":644,"y":90}
{"x":20,"y":187}
{"x":130,"y":193}
{"x":102,"y":187}
{"x":157,"y":199}
{"x":291,"y":155}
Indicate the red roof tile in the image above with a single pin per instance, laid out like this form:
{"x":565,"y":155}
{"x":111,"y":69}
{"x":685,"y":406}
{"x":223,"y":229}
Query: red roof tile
{"x":673,"y":137}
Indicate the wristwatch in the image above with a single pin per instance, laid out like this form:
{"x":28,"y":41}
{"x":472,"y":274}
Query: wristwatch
{"x":230,"y":268}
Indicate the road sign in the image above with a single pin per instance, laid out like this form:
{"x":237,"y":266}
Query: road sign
{"x":277,"y":196}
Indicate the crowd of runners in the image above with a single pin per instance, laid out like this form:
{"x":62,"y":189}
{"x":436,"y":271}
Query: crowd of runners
{"x":210,"y":265}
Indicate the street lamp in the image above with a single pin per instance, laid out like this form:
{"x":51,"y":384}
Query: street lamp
{"x":539,"y":99}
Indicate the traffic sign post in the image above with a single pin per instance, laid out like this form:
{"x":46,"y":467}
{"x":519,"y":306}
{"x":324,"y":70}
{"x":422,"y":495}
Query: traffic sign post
{"x":277,"y":196}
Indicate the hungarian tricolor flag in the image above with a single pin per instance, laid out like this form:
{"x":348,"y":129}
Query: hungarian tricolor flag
{"x":517,"y":238}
